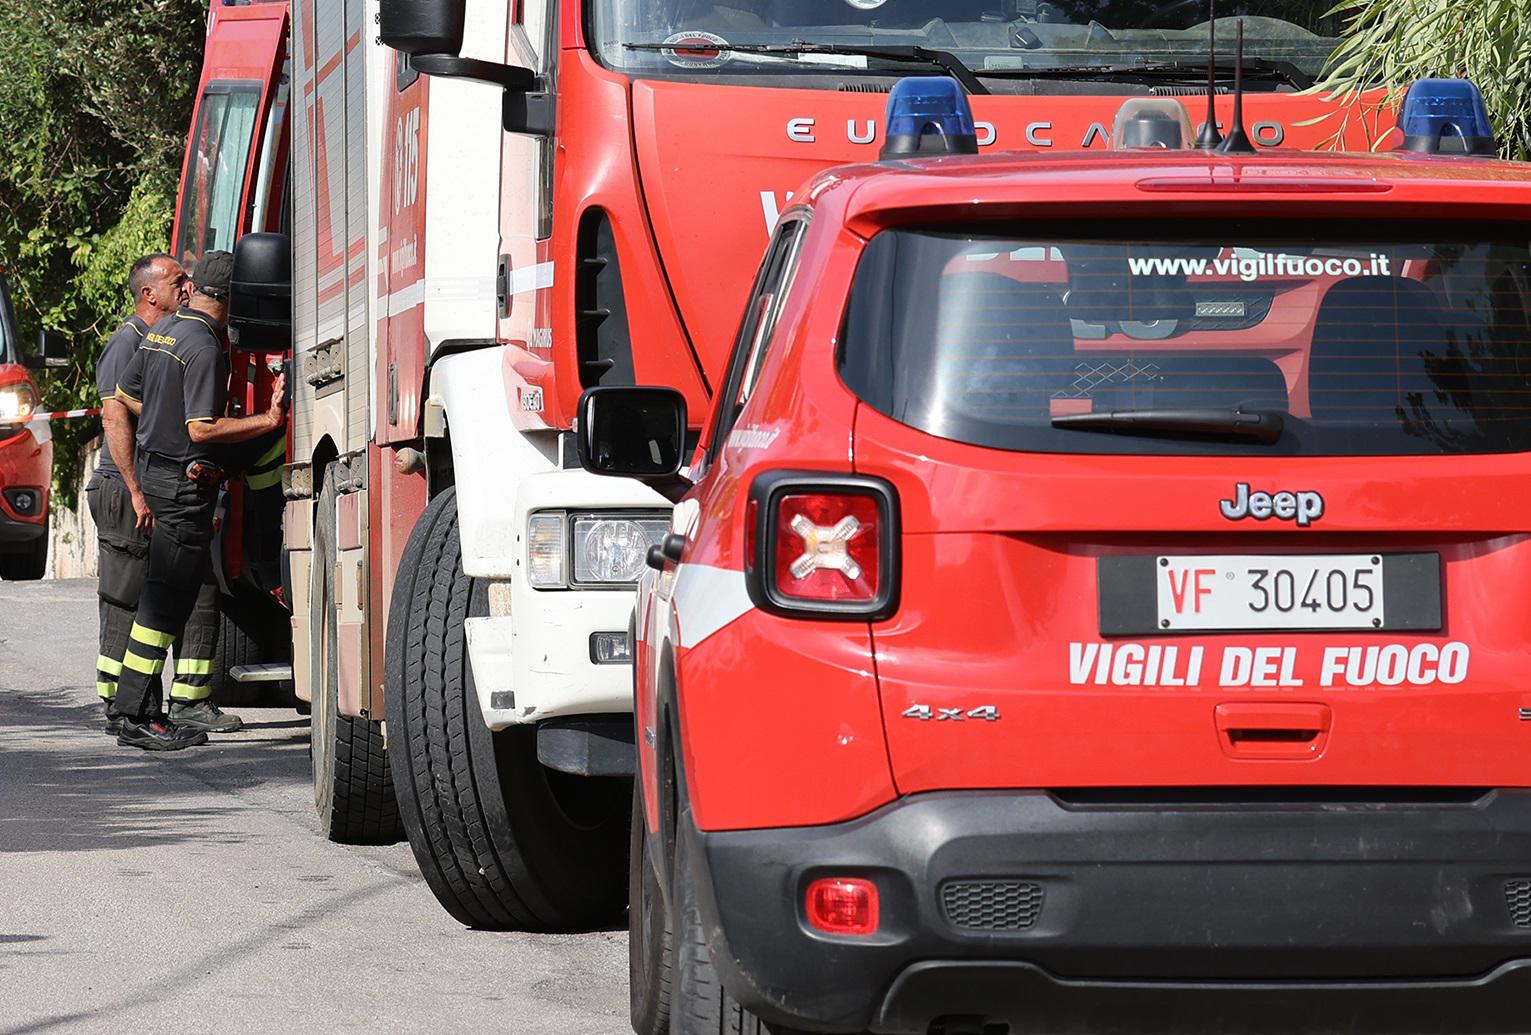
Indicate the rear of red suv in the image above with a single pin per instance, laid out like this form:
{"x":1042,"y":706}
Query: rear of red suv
{"x":1102,"y":607}
{"x":26,"y":459}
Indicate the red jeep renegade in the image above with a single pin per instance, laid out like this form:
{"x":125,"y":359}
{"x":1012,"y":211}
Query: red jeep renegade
{"x":1100,"y":600}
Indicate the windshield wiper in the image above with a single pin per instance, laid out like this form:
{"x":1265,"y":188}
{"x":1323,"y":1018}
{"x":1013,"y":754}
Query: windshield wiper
{"x":1258,"y":68}
{"x":1262,"y":426}
{"x":948,"y":62}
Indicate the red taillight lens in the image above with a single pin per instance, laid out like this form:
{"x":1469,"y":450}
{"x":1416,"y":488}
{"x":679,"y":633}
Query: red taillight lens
{"x":828,"y":547}
{"x":843,"y":905}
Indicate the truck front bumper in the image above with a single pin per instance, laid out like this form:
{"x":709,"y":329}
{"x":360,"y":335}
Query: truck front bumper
{"x":536,"y":663}
{"x":1049,"y":915}
{"x":531,"y":656}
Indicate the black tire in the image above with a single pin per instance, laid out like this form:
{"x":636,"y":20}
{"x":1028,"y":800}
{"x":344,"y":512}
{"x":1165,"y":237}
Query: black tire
{"x":27,"y":563}
{"x":503,"y":842}
{"x":700,"y":1004}
{"x":250,"y":634}
{"x":649,"y":947}
{"x":353,"y":788}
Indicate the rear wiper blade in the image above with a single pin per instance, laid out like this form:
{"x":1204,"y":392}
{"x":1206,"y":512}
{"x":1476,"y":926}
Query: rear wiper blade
{"x":1262,"y":426}
{"x":948,"y":62}
{"x":1255,"y":67}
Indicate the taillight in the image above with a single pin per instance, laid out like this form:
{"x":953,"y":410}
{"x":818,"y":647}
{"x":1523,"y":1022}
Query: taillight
{"x":823,"y":545}
{"x":827,"y":546}
{"x":842,"y":905}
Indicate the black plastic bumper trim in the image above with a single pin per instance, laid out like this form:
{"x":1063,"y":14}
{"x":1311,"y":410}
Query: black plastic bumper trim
{"x":1336,"y":906}
{"x":13,"y":531}
{"x":1030,"y":1000}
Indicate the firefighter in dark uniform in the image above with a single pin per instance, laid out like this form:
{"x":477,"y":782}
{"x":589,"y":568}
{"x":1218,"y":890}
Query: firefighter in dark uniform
{"x":178,"y":383}
{"x":117,"y":505}
{"x":123,"y":520}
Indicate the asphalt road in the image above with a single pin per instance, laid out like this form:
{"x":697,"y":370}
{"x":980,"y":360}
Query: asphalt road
{"x":192,"y":892}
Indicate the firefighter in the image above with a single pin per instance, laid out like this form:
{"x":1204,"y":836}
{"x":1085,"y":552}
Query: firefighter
{"x":117,"y":505}
{"x":123,"y":520}
{"x":178,"y":384}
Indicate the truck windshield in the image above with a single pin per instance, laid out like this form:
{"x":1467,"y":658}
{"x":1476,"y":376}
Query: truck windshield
{"x":1002,"y":38}
{"x":1340,"y":343}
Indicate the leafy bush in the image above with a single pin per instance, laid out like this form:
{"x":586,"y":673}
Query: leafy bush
{"x":95,"y":103}
{"x":1391,"y":43}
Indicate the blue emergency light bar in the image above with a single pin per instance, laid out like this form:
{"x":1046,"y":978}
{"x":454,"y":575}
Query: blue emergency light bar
{"x":1446,"y":116}
{"x":929,"y":115}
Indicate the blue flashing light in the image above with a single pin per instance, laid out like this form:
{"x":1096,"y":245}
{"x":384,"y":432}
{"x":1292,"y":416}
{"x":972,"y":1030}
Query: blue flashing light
{"x":929,"y":115}
{"x":1446,"y":116}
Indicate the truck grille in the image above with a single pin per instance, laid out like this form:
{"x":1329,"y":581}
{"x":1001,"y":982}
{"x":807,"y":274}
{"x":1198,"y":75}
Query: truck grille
{"x":1000,"y":905}
{"x":1517,"y":895}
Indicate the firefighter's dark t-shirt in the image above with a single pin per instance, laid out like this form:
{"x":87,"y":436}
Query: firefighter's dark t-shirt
{"x":111,"y":365}
{"x":180,"y":374}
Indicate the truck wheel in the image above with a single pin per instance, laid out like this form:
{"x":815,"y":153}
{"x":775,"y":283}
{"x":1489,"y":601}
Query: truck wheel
{"x":29,"y":563}
{"x":353,"y":789}
{"x":701,"y":1005}
{"x":649,"y":951}
{"x":250,"y":635}
{"x":502,"y":841}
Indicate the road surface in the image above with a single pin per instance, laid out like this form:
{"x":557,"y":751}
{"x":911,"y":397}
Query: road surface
{"x":191,"y":892}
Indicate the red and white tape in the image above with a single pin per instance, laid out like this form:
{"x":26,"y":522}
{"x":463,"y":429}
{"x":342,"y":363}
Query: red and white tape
{"x":62,"y":415}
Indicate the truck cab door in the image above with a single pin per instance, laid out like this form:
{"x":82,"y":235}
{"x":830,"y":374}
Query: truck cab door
{"x":241,"y":89}
{"x":232,"y":182}
{"x":524,"y":276}
{"x":401,"y":294}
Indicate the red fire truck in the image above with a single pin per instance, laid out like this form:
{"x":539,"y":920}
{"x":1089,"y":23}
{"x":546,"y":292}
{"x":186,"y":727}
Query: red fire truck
{"x":526,"y":200}
{"x":1092,"y":606}
{"x":26,"y":449}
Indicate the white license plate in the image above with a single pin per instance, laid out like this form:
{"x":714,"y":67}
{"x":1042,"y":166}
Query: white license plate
{"x":1251,"y":592}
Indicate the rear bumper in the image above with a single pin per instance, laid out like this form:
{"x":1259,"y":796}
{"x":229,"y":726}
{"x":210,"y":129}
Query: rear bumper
{"x":15,"y":529}
{"x":26,"y":467}
{"x":1376,"y":918}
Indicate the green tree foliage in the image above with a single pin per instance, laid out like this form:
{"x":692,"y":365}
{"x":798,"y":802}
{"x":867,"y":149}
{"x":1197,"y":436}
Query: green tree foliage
{"x":1391,"y":43}
{"x":95,"y":102}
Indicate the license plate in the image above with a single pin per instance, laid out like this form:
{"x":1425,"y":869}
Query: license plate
{"x":1332,"y":591}
{"x":1142,"y":594}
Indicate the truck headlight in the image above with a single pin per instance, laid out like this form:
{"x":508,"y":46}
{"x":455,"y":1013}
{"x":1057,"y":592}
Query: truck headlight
{"x":610,"y":549}
{"x":17,"y":401}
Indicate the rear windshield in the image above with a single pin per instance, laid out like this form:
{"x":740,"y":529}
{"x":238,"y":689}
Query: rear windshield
{"x":1361,"y":347}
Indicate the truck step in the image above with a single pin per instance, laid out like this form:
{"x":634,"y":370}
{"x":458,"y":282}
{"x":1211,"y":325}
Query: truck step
{"x":260,"y":673}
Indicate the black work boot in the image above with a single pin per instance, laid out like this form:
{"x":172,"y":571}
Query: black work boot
{"x":203,"y":715}
{"x":113,"y":720}
{"x":157,"y":733}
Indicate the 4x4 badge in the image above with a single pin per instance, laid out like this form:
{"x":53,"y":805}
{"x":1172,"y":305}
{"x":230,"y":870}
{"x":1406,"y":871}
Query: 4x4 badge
{"x":924,"y":712}
{"x":1302,"y":507}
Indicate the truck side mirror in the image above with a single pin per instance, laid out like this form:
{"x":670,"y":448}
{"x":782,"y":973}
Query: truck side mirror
{"x":634,"y":433}
{"x":260,"y":292}
{"x":431,"y":33}
{"x":422,"y":26}
{"x":52,"y":351}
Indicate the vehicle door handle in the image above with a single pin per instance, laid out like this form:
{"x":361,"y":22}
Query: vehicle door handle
{"x":1294,"y":732}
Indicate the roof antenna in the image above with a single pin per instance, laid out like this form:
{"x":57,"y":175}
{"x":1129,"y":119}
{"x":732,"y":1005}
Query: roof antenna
{"x":1207,"y":138}
{"x":1237,"y":142}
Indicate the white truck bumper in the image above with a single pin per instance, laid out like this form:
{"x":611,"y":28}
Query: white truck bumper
{"x":534,"y":662}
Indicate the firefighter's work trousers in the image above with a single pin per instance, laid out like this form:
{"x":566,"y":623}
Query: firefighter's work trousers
{"x":177,"y":578}
{"x":122,"y":562}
